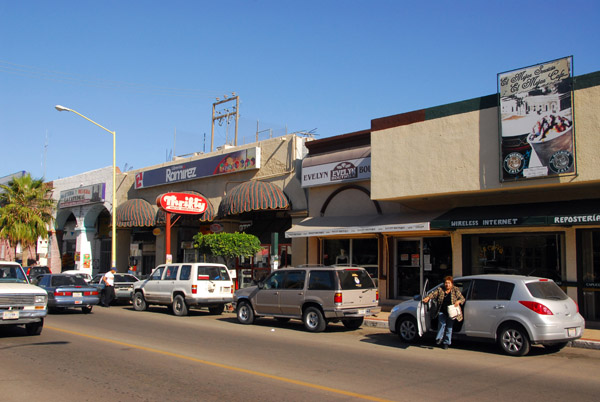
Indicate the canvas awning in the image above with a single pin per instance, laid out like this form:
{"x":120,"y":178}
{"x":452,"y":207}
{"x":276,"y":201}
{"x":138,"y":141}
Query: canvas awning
{"x":341,"y":225}
{"x":253,"y":196}
{"x":564,"y":213}
{"x":135,"y":213}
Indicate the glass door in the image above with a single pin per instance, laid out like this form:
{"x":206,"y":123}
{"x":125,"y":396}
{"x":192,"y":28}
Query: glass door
{"x":407,"y":281}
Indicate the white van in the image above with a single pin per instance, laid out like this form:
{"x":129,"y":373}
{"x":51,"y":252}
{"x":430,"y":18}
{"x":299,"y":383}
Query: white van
{"x":185,"y":285}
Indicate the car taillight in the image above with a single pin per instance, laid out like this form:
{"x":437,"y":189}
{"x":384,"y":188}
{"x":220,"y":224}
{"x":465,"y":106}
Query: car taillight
{"x":232,"y":290}
{"x":337,"y":298}
{"x":377,"y":295}
{"x":537,"y":307}
{"x":194,"y":289}
{"x":92,"y":293}
{"x":62,"y":293}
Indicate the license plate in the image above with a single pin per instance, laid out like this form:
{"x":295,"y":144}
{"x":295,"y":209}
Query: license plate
{"x":77,"y":294}
{"x":10,"y":315}
{"x":572,"y":332}
{"x":364,"y":311}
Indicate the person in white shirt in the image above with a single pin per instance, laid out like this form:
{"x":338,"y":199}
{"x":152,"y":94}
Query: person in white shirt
{"x":108,"y":293}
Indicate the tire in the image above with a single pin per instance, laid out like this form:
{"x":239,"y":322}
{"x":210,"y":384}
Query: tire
{"x":139,"y":303}
{"x":513,"y":340}
{"x":353,"y":323}
{"x":86,"y":309}
{"x":35,"y":328}
{"x":179,"y":307}
{"x":556,"y":347}
{"x":407,"y":329}
{"x":216,"y":310}
{"x":313,"y":320}
{"x":245,"y":314}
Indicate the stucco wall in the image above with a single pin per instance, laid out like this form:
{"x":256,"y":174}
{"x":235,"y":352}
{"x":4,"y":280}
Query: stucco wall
{"x":460,"y":153}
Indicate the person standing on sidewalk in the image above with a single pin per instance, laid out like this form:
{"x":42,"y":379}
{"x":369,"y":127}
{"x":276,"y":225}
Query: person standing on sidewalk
{"x":445,"y":296}
{"x":108,"y":293}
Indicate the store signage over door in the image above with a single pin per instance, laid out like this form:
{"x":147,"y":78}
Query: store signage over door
{"x":82,"y":195}
{"x":232,"y":162}
{"x":336,"y":172}
{"x":182,"y":203}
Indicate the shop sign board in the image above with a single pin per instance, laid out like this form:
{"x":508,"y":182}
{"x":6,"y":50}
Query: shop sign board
{"x":182,"y":203}
{"x":82,"y":195}
{"x":546,"y":220}
{"x":537,"y":129}
{"x":233,"y":162}
{"x":336,"y":172}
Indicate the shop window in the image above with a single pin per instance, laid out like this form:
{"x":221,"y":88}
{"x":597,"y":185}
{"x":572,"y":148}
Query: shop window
{"x":355,"y":252}
{"x":534,"y":254}
{"x":588,"y":273}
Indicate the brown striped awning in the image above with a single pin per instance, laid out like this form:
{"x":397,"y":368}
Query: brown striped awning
{"x":135,"y":213}
{"x":253,"y":196}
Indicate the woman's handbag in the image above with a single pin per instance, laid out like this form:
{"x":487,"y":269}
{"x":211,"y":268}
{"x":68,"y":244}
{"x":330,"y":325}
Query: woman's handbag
{"x":453,"y":311}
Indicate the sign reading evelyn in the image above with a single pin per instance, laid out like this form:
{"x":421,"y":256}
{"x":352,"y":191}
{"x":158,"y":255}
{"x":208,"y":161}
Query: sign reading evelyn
{"x":182,"y":203}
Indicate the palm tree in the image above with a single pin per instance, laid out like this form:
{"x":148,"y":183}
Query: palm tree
{"x":25,"y":212}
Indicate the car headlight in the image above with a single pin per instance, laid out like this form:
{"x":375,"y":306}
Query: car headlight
{"x":40,"y":299}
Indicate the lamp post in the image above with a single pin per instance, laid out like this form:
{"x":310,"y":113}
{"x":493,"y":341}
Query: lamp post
{"x":114,"y":182}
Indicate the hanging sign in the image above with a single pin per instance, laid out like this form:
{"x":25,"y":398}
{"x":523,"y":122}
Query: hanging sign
{"x":182,"y":203}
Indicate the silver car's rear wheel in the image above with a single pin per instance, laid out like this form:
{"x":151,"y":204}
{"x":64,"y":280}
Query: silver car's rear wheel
{"x":514,"y":341}
{"x":407,"y":328}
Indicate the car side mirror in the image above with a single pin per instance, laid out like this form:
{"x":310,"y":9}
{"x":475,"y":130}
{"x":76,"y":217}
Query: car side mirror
{"x":417,"y":297}
{"x":260,"y":285}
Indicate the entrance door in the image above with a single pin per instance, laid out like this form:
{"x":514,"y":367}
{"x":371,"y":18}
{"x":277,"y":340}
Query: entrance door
{"x":408,"y":268}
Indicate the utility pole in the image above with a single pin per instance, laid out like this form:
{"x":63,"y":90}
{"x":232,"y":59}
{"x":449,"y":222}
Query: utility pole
{"x":224,"y":114}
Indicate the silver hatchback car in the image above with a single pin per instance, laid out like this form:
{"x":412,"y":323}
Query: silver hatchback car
{"x":515,"y":311}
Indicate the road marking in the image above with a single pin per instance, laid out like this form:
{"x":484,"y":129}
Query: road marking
{"x":225,"y":366}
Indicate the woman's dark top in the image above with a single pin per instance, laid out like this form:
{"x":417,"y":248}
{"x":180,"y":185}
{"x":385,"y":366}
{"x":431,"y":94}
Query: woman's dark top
{"x":447,"y":301}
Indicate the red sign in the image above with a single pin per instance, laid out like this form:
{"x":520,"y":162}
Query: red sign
{"x":182,"y":203}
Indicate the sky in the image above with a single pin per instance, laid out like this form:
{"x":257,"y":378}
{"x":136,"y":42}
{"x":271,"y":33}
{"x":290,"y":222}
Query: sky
{"x":151,"y":70}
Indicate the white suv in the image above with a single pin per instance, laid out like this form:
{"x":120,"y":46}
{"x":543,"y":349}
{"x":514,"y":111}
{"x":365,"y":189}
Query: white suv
{"x":20,"y":302}
{"x":185,"y":285}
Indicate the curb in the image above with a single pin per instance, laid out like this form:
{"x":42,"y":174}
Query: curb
{"x":579,"y":343}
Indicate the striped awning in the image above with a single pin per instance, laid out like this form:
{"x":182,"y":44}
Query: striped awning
{"x":208,"y":216}
{"x":253,"y":196}
{"x":135,"y":213}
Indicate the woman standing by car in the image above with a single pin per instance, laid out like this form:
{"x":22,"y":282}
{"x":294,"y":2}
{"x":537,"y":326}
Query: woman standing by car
{"x":445,"y":296}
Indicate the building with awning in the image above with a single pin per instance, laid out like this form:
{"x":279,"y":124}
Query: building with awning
{"x":252,"y":188}
{"x":516,"y":176}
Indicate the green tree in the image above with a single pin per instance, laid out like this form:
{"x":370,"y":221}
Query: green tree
{"x":227,"y":245}
{"x":25,"y":212}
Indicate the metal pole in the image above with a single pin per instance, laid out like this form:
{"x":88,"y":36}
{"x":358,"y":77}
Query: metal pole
{"x":114,"y":203}
{"x":237,"y":117}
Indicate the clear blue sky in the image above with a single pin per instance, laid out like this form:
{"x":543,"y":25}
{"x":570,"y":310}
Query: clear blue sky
{"x":148,"y":69}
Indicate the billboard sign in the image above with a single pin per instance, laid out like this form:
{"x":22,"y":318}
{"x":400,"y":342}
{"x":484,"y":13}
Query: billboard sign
{"x":536,"y":121}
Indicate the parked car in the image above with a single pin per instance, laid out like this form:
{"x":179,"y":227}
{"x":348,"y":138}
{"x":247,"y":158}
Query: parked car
{"x":20,"y":302}
{"x":514,"y":311}
{"x":35,"y":271}
{"x":85,"y":275}
{"x":68,"y":291}
{"x":123,"y":286}
{"x":185,"y":285}
{"x":316,"y":295}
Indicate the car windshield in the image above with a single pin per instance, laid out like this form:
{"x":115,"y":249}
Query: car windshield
{"x":355,"y":279}
{"x":12,"y":273}
{"x":68,"y":280}
{"x":546,"y":290}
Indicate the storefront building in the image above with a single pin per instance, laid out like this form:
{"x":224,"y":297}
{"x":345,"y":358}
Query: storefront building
{"x":253,"y":188}
{"x":80,"y":237}
{"x":518,"y":175}
{"x":346,"y":226}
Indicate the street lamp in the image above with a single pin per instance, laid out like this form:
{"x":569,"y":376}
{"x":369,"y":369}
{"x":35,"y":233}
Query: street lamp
{"x":114,"y":183}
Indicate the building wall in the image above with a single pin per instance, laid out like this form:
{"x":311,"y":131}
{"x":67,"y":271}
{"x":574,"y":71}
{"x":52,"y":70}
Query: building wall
{"x":426,"y":155}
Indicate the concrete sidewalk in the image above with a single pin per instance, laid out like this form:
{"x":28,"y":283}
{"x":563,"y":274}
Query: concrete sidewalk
{"x":589,"y":340}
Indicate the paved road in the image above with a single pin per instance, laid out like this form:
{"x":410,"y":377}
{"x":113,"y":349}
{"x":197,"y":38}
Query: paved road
{"x":122,"y":355}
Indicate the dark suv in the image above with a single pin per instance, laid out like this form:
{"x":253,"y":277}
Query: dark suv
{"x":36,"y":271}
{"x":316,"y":295}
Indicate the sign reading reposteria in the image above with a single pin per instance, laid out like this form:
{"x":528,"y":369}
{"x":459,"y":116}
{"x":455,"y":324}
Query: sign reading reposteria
{"x":232,"y":162}
{"x":536,"y":121}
